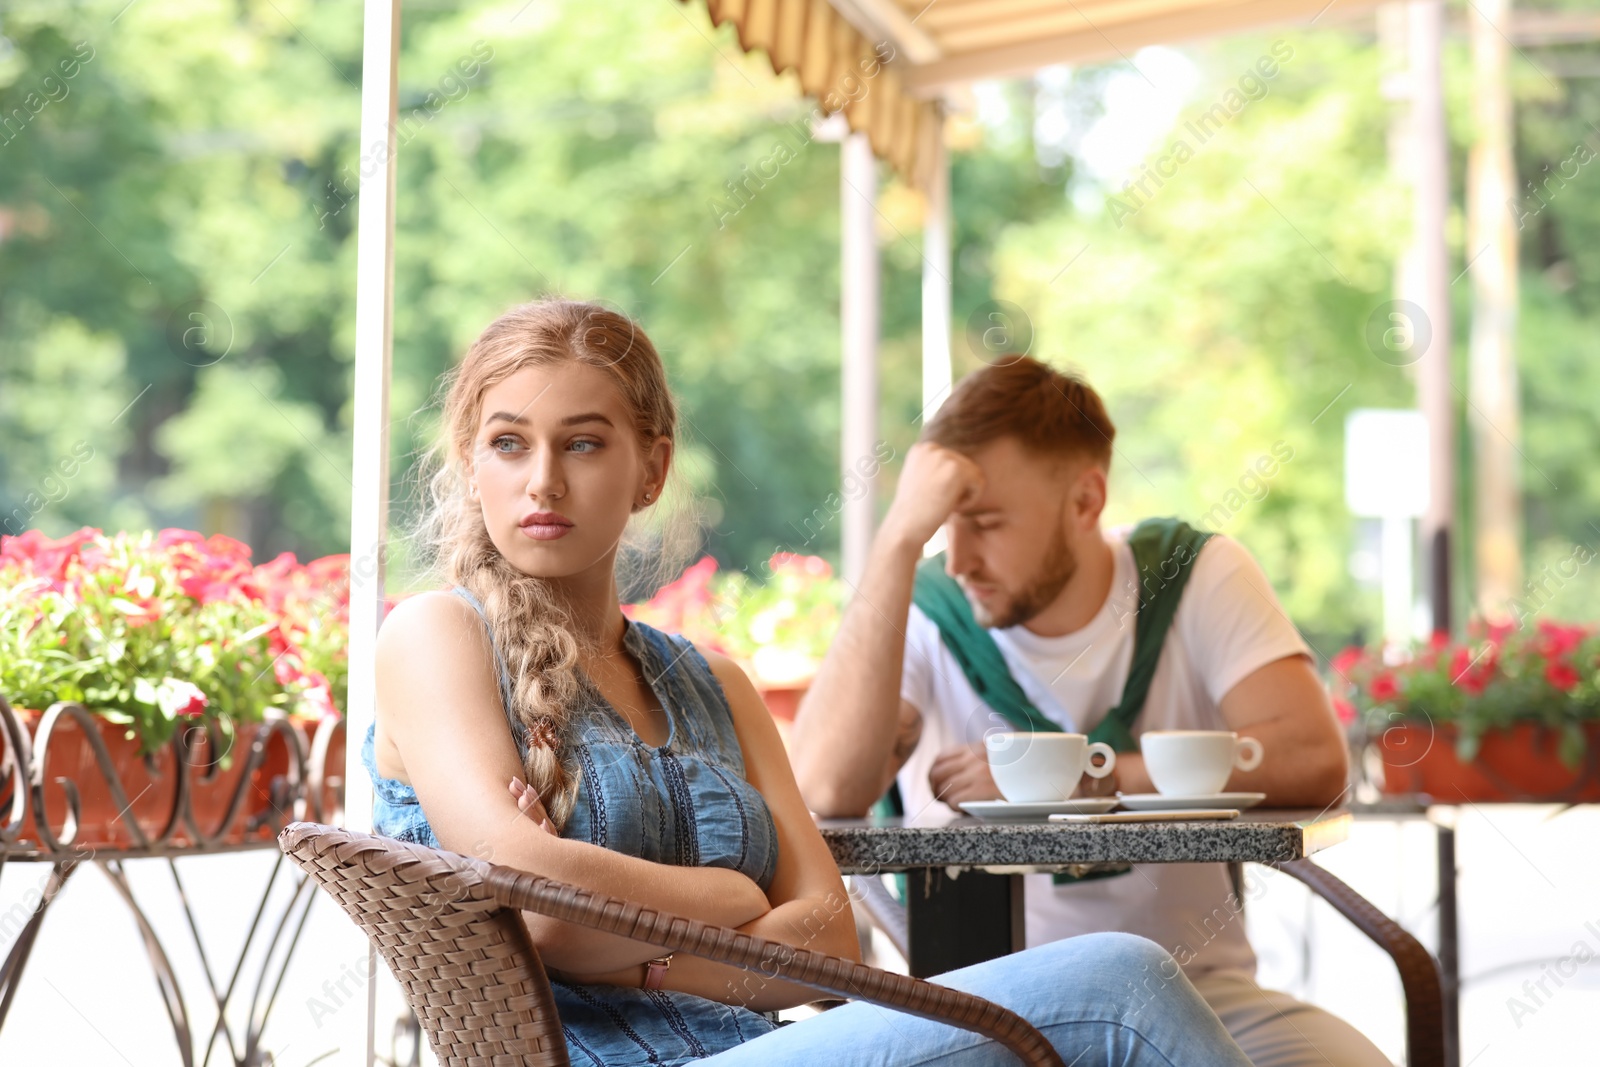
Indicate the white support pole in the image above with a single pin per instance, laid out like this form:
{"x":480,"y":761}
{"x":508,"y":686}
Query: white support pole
{"x":858,"y":300}
{"x":936,"y":374}
{"x":1492,"y":228}
{"x":1431,"y":290}
{"x":369,"y":502}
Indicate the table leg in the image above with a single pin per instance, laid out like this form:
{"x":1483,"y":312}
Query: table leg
{"x":954,"y":922}
{"x":1449,"y":945}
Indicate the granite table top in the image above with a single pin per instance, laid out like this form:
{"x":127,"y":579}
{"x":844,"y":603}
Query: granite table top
{"x":879,"y":844}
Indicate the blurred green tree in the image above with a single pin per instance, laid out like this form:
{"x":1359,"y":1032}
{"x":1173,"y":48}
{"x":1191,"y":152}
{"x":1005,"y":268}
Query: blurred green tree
{"x":177,"y":261}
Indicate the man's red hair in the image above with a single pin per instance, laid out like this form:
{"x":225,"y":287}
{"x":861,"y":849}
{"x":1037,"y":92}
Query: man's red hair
{"x":1051,"y":413}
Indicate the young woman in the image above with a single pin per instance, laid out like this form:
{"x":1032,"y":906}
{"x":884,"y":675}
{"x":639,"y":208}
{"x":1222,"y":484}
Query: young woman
{"x":521,"y":718}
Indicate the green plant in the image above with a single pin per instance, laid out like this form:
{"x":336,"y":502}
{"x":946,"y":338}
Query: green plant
{"x":780,"y":627}
{"x":783,"y":626}
{"x":154,"y":629}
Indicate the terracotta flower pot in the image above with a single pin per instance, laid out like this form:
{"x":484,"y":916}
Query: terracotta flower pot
{"x":270,"y":795}
{"x":212,"y":789}
{"x":1518,"y":764}
{"x":784,"y":700}
{"x":332,"y":808}
{"x":150,"y":785}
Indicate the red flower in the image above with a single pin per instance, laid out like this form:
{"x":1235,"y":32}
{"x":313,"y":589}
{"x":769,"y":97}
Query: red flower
{"x":208,"y":586}
{"x":149,"y":611}
{"x":270,"y":582}
{"x":678,"y":604}
{"x":329,"y":569}
{"x":319,"y":701}
{"x":279,"y":568}
{"x":1562,"y":676}
{"x":1383,"y":687}
{"x":286,"y":670}
{"x":18,"y":548}
{"x":221,"y":546}
{"x":182,"y":699}
{"x":1472,"y":671}
{"x":1438,"y":643}
{"x":330,"y":578}
{"x":1346,"y":660}
{"x":92,"y":555}
{"x":1556,"y":640}
{"x":1345,"y":710}
{"x":173,"y":536}
{"x":217,"y":568}
{"x":44,"y":557}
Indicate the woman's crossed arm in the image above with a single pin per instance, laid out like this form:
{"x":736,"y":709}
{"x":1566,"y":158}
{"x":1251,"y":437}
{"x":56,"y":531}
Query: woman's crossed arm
{"x":441,"y":707}
{"x":809,"y":906}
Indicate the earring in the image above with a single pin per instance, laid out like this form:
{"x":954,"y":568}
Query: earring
{"x":647,"y":496}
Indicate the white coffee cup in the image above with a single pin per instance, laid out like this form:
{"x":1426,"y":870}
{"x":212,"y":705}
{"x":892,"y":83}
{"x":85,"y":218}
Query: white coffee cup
{"x":1043,"y":767}
{"x":1196,"y":762}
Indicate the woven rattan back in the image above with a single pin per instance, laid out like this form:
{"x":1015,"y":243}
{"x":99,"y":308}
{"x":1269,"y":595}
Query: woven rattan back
{"x":465,"y":963}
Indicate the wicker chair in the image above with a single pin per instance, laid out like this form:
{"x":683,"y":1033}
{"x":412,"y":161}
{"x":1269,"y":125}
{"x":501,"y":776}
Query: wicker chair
{"x":449,"y":928}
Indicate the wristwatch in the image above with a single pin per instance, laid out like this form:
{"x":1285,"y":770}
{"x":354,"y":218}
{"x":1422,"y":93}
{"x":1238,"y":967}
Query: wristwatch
{"x":655,"y":970}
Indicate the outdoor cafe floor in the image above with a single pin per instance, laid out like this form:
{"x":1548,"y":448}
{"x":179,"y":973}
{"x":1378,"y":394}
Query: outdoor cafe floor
{"x":1529,"y":907}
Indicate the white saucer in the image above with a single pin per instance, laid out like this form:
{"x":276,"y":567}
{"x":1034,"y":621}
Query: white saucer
{"x":1005,"y":811}
{"x":1167,"y":802}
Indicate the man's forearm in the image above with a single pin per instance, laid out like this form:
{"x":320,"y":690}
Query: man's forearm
{"x":1300,"y":768}
{"x":1284,"y":706}
{"x":845,"y":728}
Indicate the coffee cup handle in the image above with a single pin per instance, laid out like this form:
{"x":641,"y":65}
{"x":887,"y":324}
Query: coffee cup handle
{"x":1247,"y":756}
{"x":1105,"y":768}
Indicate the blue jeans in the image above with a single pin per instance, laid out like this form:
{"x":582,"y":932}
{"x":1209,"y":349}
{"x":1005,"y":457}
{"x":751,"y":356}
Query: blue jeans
{"x":1100,"y":999}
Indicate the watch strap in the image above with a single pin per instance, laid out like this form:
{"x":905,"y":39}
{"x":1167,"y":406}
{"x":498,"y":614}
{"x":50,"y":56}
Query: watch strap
{"x":656,"y":970}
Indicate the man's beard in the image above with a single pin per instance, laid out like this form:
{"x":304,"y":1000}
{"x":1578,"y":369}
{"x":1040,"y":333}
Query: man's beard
{"x":1055,"y":571}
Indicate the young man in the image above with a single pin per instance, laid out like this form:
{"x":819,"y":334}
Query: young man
{"x":1013,"y":467}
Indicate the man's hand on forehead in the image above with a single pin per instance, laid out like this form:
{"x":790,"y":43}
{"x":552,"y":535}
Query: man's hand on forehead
{"x":934,"y":484}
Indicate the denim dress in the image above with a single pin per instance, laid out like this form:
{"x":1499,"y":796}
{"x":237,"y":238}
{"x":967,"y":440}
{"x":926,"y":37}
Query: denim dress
{"x":685,"y":802}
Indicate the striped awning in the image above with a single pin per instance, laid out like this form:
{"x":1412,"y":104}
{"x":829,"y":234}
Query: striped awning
{"x":888,"y":64}
{"x":843,"y":68}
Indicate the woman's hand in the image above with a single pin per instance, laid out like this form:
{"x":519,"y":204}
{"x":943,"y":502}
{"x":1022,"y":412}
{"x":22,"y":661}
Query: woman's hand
{"x":529,"y":804}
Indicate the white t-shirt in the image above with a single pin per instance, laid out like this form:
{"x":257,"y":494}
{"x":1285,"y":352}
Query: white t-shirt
{"x":1228,"y":625}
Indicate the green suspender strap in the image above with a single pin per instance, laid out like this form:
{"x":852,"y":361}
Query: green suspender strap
{"x":1164,"y":552}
